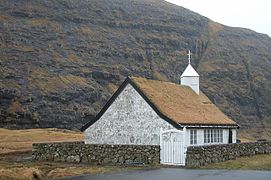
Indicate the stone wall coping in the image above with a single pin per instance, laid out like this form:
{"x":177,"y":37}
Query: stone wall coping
{"x":60,"y":142}
{"x":82,"y":142}
{"x":232,"y":144}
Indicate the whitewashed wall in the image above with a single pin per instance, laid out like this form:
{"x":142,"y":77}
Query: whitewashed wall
{"x":234,"y":135}
{"x":226,"y":136}
{"x":129,"y":120}
{"x":193,"y":82}
{"x":200,"y":137}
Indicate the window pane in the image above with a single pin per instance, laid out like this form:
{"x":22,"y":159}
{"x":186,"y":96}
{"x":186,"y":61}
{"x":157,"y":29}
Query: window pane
{"x":205,"y":136}
{"x":195,"y":136}
{"x":217,"y":134}
{"x":221,"y":136}
{"x":209,"y":136}
{"x":212,"y":136}
{"x":191,"y":136}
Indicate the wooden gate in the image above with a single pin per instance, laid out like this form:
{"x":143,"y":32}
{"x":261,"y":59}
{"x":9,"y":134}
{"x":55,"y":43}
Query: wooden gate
{"x":172,"y":144}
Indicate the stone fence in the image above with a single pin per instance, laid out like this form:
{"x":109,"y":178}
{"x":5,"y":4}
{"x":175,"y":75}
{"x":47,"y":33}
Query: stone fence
{"x":202,"y":155}
{"x":79,"y":152}
{"x":96,"y":154}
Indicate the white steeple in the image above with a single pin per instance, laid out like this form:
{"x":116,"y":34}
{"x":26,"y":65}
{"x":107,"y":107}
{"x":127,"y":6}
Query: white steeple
{"x":189,"y":71}
{"x":190,"y":77}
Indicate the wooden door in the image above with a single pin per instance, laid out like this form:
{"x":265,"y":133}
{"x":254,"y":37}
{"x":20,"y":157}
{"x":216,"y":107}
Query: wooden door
{"x":172,"y":147}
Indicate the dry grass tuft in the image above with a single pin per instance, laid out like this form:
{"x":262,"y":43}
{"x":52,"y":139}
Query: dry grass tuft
{"x":55,"y":83}
{"x":160,"y":76}
{"x":71,"y":80}
{"x":214,"y":28}
{"x":75,"y":59}
{"x":23,"y":48}
{"x":5,"y":18}
{"x":75,"y":171}
{"x":20,"y":173}
{"x":112,"y":88}
{"x":53,"y":170}
{"x":84,"y":30}
{"x":45,"y":23}
{"x":15,"y":106}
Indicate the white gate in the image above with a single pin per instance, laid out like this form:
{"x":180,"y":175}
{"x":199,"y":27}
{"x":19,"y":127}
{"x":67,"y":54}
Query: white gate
{"x":172,"y":144}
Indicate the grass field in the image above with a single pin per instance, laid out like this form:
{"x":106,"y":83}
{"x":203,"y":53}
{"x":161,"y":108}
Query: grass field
{"x":16,"y":141}
{"x":258,"y":162}
{"x":15,"y":154}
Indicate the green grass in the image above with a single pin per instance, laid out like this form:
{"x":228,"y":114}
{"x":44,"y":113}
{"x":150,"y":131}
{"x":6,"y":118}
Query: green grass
{"x":258,"y":162}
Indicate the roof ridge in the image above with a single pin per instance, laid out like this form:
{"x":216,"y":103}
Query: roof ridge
{"x":134,"y":77}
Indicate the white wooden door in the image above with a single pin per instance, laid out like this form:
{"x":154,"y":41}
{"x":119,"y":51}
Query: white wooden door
{"x":172,"y":147}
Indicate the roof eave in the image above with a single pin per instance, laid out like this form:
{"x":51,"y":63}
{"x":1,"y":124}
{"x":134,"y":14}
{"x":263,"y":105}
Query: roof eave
{"x":188,"y":76}
{"x":210,"y":125}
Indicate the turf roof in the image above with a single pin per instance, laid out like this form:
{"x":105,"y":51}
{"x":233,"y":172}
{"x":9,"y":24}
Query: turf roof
{"x":181,"y":104}
{"x":177,"y":104}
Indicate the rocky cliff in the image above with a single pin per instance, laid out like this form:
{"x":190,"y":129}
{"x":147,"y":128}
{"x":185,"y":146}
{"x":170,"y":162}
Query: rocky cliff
{"x":62,"y":60}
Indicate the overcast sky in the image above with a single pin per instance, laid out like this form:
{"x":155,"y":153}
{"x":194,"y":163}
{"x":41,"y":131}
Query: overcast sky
{"x":251,"y":14}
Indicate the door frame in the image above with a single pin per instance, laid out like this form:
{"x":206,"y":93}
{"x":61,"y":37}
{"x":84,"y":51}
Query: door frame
{"x":173,"y":148}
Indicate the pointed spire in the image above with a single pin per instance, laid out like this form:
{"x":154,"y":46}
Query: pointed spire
{"x":190,"y":77}
{"x":189,"y":71}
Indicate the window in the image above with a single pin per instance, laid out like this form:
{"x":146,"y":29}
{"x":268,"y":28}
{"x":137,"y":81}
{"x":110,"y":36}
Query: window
{"x":213,"y":135}
{"x":193,"y":136}
{"x":220,"y":136}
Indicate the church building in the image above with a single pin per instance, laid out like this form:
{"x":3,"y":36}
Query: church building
{"x":152,"y":112}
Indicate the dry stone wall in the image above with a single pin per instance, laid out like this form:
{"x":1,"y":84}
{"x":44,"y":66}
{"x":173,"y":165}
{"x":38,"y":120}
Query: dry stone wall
{"x":78,"y":152}
{"x":95,"y":154}
{"x":202,"y":155}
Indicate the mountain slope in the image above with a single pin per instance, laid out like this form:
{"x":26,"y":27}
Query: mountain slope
{"x":62,"y":60}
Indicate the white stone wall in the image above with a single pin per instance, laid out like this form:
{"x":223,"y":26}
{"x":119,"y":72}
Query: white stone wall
{"x":129,"y":120}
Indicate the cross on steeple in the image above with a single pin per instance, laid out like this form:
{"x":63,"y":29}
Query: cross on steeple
{"x":190,"y":77}
{"x":189,"y":56}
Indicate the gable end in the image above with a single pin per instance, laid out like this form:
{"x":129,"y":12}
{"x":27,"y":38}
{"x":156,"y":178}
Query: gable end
{"x":116,"y":94}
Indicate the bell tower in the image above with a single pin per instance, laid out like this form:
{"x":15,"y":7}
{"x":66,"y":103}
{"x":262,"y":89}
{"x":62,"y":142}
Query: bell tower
{"x":190,"y":77}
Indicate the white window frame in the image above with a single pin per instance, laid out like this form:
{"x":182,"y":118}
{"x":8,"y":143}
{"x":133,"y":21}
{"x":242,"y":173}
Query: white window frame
{"x":193,"y":137}
{"x":213,"y":136}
